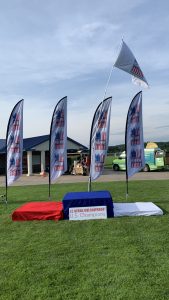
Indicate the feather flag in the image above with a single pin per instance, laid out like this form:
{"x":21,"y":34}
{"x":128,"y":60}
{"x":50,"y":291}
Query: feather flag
{"x":128,"y":63}
{"x":14,"y":144}
{"x":99,"y":137}
{"x":134,"y":141}
{"x":58,"y":141}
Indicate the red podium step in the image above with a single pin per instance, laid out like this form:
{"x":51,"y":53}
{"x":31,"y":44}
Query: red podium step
{"x":39,"y":211}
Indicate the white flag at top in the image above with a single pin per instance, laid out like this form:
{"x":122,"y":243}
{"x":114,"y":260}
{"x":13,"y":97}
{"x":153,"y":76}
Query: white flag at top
{"x":99,"y":138}
{"x":134,"y":141}
{"x":128,"y":63}
{"x":58,"y":140}
{"x":14,"y":143}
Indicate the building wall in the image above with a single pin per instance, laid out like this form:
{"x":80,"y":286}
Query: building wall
{"x":45,"y":146}
{"x":39,"y":158}
{"x":42,"y":147}
{"x":71,"y":145}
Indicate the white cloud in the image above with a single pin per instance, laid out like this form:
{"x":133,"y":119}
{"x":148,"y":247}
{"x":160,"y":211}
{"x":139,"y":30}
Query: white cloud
{"x":52,"y":49}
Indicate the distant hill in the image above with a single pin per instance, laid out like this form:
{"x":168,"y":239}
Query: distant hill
{"x":120,"y":148}
{"x":164,"y":146}
{"x":116,"y":149}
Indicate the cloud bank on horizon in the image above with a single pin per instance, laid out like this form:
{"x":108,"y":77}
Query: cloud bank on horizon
{"x":66,"y":48}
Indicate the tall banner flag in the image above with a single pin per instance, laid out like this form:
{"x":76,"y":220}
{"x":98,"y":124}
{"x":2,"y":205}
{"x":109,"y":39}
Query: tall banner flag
{"x":58,"y":141}
{"x":128,"y":63}
{"x":14,"y":144}
{"x":99,"y":138}
{"x":134,"y":141}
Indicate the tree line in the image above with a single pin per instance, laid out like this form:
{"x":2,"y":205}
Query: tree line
{"x":121,"y":148}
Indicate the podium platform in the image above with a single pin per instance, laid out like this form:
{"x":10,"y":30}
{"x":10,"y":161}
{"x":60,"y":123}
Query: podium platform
{"x":39,"y":211}
{"x":87,"y":199}
{"x":137,"y":209}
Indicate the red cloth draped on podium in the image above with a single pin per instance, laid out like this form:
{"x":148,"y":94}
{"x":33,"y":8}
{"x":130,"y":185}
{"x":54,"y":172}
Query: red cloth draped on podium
{"x":39,"y":211}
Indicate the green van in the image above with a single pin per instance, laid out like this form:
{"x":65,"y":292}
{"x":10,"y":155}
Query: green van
{"x":154,"y":160}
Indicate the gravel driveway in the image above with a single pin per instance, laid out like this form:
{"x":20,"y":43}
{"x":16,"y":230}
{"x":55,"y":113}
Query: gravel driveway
{"x":108,"y":175}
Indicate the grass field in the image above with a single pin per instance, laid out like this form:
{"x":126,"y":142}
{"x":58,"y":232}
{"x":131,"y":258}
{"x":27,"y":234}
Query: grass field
{"x":120,"y":258}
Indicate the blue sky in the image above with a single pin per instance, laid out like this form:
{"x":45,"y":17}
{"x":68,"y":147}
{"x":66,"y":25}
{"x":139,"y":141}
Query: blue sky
{"x":51,"y":49}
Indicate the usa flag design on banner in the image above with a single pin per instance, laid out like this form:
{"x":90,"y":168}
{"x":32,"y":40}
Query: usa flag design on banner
{"x":58,"y":140}
{"x":100,"y":138}
{"x":135,"y":160}
{"x":14,"y":144}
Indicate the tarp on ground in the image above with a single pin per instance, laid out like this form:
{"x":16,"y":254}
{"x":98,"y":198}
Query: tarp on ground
{"x":136,"y":209}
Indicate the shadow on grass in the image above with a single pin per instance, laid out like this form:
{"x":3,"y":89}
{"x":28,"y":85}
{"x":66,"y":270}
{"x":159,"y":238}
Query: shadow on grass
{"x":165,"y":212}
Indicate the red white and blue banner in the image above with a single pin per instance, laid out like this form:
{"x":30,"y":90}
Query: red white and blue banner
{"x":14,"y":144}
{"x":128,"y":63}
{"x":99,"y":138}
{"x":134,"y":141}
{"x":58,"y":141}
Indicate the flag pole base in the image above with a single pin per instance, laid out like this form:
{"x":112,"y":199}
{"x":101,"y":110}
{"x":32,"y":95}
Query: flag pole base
{"x":3,"y":199}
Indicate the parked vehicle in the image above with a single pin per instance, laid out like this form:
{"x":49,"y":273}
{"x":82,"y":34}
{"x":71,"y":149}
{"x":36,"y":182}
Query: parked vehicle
{"x":154,"y":160}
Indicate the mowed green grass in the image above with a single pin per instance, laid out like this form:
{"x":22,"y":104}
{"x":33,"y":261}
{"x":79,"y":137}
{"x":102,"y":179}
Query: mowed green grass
{"x":120,"y":258}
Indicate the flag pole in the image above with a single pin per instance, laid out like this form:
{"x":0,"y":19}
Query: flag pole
{"x":54,"y":130}
{"x":6,"y":163}
{"x":104,"y":97}
{"x":89,"y":184}
{"x":127,"y":186}
{"x":128,"y":141}
{"x":6,"y":175}
{"x":6,"y":150}
{"x":109,"y":77}
{"x":90,"y":148}
{"x":6,"y":178}
{"x":108,"y":81}
{"x":49,"y":190}
{"x":126,"y":162}
{"x":50,"y":136}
